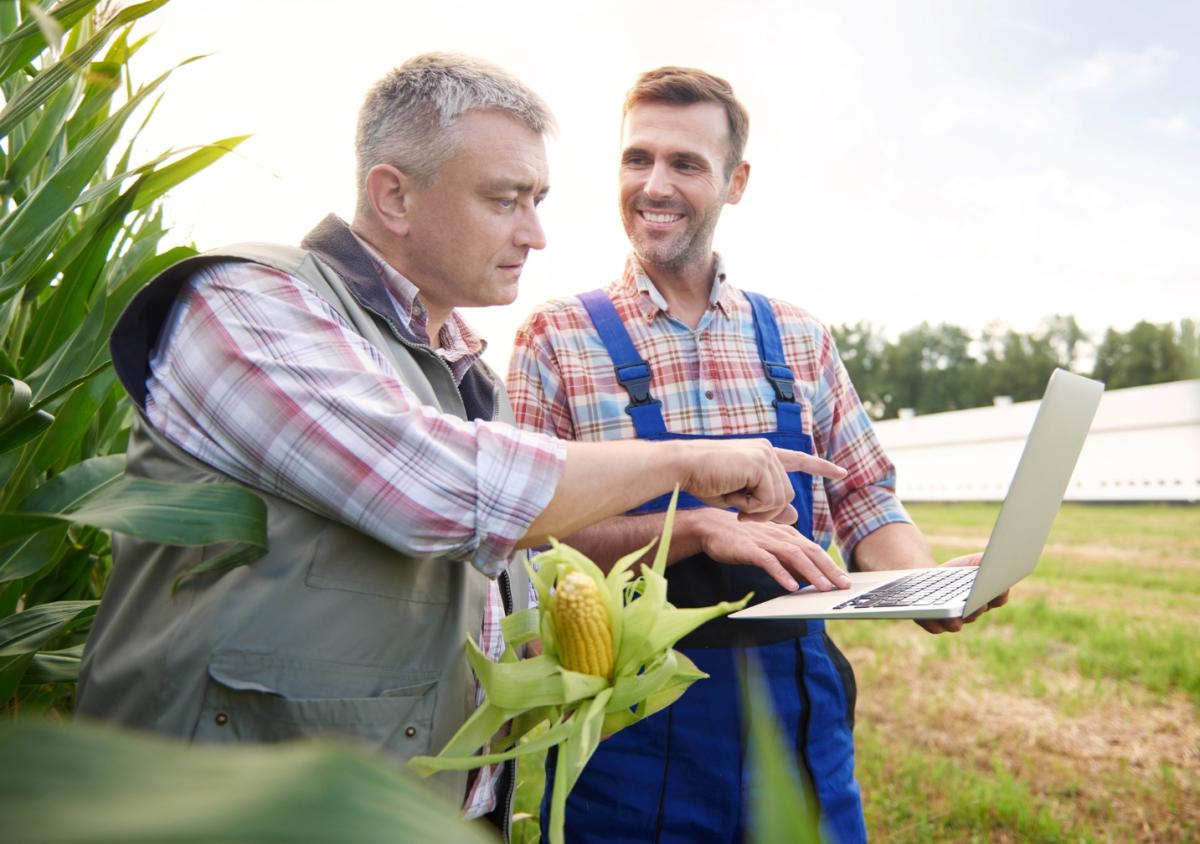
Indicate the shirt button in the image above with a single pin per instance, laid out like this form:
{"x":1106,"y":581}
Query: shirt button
{"x":410,"y":731}
{"x":708,"y":394}
{"x":221,"y":719}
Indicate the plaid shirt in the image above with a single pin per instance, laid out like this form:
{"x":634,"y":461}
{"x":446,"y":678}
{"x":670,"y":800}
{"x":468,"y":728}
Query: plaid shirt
{"x":710,"y":381}
{"x":257,"y":376}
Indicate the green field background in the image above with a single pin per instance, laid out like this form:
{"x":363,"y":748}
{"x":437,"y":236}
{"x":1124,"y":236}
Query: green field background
{"x":1068,"y":715}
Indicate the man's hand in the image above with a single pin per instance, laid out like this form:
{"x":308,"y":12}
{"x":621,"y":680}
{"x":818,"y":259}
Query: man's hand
{"x":748,"y":475}
{"x":607,"y":478}
{"x":953,"y":625}
{"x":779,"y":550}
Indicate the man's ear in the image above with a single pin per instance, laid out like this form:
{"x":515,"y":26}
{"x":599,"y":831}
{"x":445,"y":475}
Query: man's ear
{"x":388,"y":193}
{"x":737,"y":182}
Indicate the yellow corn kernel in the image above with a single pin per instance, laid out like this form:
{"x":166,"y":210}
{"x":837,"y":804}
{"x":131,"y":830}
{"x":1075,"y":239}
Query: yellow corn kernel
{"x":582,"y":625}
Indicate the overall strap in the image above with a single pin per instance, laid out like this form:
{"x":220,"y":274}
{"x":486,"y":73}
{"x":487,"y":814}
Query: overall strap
{"x":632,"y":371}
{"x":770,"y":352}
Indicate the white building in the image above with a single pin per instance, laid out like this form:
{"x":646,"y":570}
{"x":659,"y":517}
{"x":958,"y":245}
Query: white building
{"x":1144,"y":446}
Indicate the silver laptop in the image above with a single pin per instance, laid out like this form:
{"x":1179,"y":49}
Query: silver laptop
{"x":1017,"y":539}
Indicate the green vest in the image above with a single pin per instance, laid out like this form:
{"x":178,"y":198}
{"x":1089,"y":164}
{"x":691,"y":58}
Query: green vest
{"x":331,"y":631}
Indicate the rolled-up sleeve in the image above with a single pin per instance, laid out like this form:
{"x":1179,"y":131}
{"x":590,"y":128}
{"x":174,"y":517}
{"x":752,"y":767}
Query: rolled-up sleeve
{"x":865,"y":500}
{"x":260,"y":378}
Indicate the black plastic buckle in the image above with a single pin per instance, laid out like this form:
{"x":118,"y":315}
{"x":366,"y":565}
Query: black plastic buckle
{"x":635,"y":378}
{"x":780,"y":376}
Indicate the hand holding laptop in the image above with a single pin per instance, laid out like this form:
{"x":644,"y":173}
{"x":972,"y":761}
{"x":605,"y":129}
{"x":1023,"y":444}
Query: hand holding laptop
{"x":900,"y":546}
{"x":953,"y":625}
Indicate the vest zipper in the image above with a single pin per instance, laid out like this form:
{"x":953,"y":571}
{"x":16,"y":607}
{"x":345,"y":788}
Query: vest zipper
{"x":508,"y":777}
{"x":425,"y":351}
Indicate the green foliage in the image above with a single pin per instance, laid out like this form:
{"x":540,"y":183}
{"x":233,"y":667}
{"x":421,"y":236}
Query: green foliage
{"x":783,"y":806}
{"x":1068,"y":715}
{"x":80,"y":228}
{"x":82,"y":783}
{"x":1147,"y":354}
{"x":934,"y":368}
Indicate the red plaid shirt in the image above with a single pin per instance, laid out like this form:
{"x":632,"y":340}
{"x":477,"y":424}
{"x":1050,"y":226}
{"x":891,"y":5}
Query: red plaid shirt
{"x":710,"y":381}
{"x":257,"y":376}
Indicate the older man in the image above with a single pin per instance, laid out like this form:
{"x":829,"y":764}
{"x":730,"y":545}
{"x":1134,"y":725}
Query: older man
{"x":339,"y":380}
{"x":671,"y":351}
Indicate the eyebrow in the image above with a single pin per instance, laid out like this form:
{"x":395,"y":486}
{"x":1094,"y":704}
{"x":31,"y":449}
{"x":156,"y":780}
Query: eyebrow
{"x":682,"y":155}
{"x":501,"y":185}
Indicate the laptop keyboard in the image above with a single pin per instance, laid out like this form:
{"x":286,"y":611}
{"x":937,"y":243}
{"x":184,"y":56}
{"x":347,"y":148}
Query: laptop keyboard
{"x":923,"y":589}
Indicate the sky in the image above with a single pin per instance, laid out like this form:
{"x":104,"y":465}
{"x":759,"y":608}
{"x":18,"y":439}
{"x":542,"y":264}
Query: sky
{"x":961,"y":162}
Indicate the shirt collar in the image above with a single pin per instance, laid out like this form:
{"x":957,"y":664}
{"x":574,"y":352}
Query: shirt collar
{"x":651,"y":302}
{"x":458,"y":344}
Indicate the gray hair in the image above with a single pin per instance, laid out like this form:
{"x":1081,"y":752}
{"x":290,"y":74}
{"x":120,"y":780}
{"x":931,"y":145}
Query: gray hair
{"x":408,"y":119}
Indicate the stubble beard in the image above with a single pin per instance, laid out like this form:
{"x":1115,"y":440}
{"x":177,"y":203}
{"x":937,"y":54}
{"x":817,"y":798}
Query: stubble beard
{"x":689,"y":248}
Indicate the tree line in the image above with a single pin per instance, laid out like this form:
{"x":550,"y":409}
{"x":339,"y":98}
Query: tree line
{"x":933,"y":368}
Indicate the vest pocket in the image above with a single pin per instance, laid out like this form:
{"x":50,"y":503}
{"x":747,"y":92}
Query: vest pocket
{"x":240,"y":707}
{"x":346,"y":560}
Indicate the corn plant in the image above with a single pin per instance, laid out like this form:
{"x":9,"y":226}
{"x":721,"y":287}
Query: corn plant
{"x":607,"y":661}
{"x":80,"y":231}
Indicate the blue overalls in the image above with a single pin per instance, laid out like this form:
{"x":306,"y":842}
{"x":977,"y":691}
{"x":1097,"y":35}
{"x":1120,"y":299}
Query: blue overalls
{"x":680,"y":775}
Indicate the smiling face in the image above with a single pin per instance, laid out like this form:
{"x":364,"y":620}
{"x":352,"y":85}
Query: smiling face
{"x":471,"y":229}
{"x":673,"y":183}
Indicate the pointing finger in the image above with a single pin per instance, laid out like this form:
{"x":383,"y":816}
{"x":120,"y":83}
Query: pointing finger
{"x":798,"y":461}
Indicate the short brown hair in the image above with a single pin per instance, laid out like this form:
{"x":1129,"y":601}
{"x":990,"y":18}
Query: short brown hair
{"x":687,"y":85}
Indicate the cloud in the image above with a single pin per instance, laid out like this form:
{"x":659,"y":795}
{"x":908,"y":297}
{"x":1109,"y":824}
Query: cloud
{"x":1111,"y":71}
{"x":1036,"y":32}
{"x":976,"y":105}
{"x":1019,"y":192}
{"x":1175,"y":126}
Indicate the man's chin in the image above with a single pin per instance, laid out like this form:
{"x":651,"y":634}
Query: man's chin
{"x":649,"y":255}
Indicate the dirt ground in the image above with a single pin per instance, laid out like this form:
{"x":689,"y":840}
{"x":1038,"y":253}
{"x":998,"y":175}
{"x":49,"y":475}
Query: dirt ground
{"x":1097,"y":753}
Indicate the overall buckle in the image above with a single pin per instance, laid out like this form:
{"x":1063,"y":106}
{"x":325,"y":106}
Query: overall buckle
{"x":635,"y":378}
{"x":780,"y":376}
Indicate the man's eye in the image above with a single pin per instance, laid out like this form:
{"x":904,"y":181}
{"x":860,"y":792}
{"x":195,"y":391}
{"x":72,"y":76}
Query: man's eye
{"x":506,"y":203}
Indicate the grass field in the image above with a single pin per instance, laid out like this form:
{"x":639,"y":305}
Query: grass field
{"x":1069,"y":715}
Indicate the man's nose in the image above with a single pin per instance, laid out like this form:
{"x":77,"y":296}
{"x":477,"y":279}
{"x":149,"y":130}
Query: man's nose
{"x":530,"y":233}
{"x":658,"y":182}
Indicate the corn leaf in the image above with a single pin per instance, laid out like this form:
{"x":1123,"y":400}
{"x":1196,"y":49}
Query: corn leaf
{"x":160,"y":181}
{"x":28,"y":40}
{"x":21,"y":635}
{"x":536,"y":681}
{"x":73,"y":419}
{"x":61,"y":666}
{"x":59,"y":193}
{"x":43,"y":86}
{"x":140,"y":789}
{"x":783,"y":806}
{"x":20,"y":421}
{"x":556,"y":734}
{"x":75,"y":356}
{"x":34,"y":149}
{"x":572,"y":756}
{"x":521,"y":627}
{"x":176,"y":514}
{"x":22,"y":557}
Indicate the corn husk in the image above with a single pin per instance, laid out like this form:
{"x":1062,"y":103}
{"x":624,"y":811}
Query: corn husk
{"x":648,"y":673}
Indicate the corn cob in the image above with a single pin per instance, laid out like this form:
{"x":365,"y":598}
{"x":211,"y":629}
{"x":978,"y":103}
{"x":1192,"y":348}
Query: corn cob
{"x":582,"y":625}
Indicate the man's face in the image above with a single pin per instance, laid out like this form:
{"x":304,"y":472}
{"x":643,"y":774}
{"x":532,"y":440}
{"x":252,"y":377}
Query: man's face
{"x":472,"y":228}
{"x":673,"y":181}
